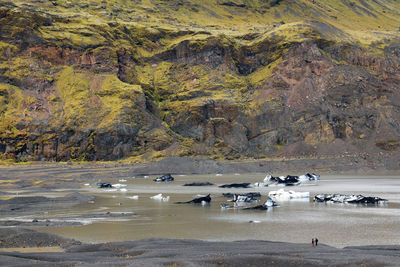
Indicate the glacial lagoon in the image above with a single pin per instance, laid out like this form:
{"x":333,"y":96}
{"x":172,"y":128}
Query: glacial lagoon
{"x":297,"y":221}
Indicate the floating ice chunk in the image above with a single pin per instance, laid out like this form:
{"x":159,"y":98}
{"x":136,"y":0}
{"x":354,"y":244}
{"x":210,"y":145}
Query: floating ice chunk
{"x":104,"y":185}
{"x":355,"y":199}
{"x":111,"y":190}
{"x":198,"y":200}
{"x":281,"y":194}
{"x":134,"y":197}
{"x":273,"y":185}
{"x":157,"y":197}
{"x":291,"y":179}
{"x":87,"y":184}
{"x":123,"y":190}
{"x":160,"y":197}
{"x":309,"y":177}
{"x":243,"y":199}
{"x":122,"y":180}
{"x":270,"y":203}
{"x":218,"y":174}
{"x":260,"y":184}
{"x":225,"y":206}
{"x":267,"y":178}
{"x":164,"y":178}
{"x":119,"y":185}
{"x":303,"y":178}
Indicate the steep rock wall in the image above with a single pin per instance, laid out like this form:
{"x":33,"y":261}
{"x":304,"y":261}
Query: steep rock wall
{"x":114,"y":91}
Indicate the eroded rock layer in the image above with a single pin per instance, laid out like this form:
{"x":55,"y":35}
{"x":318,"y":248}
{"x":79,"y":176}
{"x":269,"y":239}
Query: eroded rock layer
{"x":228,"y":80}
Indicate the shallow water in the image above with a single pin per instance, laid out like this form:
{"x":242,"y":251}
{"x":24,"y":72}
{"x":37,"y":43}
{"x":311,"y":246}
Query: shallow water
{"x":338,"y":225}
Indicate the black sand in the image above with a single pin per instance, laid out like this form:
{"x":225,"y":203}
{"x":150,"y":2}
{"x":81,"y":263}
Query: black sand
{"x":179,"y":252}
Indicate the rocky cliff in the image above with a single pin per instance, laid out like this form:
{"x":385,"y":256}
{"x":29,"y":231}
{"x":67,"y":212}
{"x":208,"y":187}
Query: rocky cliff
{"x":139,"y":80}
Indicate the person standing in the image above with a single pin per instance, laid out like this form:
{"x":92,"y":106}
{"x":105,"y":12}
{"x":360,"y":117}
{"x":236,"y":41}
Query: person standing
{"x":312,"y":242}
{"x":316,"y":241}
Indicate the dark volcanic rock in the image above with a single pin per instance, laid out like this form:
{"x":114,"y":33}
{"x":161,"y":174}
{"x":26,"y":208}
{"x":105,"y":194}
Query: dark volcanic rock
{"x":97,"y":95}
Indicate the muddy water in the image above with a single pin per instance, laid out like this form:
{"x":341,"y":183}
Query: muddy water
{"x":338,"y":225}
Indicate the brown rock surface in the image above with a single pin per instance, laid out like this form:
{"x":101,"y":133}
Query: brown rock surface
{"x":75,"y":88}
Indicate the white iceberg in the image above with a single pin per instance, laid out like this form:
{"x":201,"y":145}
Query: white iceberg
{"x":281,"y":194}
{"x":160,"y":197}
{"x":270,"y":203}
{"x":290,"y":179}
{"x":257,"y":184}
{"x":134,"y":197}
{"x":118,"y":185}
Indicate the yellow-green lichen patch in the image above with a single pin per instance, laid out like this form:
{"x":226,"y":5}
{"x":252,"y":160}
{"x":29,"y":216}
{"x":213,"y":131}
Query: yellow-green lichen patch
{"x":115,"y":96}
{"x":73,"y":91}
{"x":13,"y":108}
{"x":263,"y":73}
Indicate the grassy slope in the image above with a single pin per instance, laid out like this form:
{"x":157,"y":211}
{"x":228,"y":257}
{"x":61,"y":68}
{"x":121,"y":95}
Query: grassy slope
{"x":151,"y":27}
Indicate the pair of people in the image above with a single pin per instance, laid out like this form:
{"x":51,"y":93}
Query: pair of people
{"x":315,"y":241}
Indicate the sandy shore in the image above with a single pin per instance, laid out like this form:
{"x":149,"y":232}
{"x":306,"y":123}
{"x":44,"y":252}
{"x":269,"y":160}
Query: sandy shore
{"x":32,"y":249}
{"x":347,"y":164}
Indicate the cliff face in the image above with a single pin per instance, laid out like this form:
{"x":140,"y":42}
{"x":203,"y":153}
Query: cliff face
{"x":107,"y":80}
